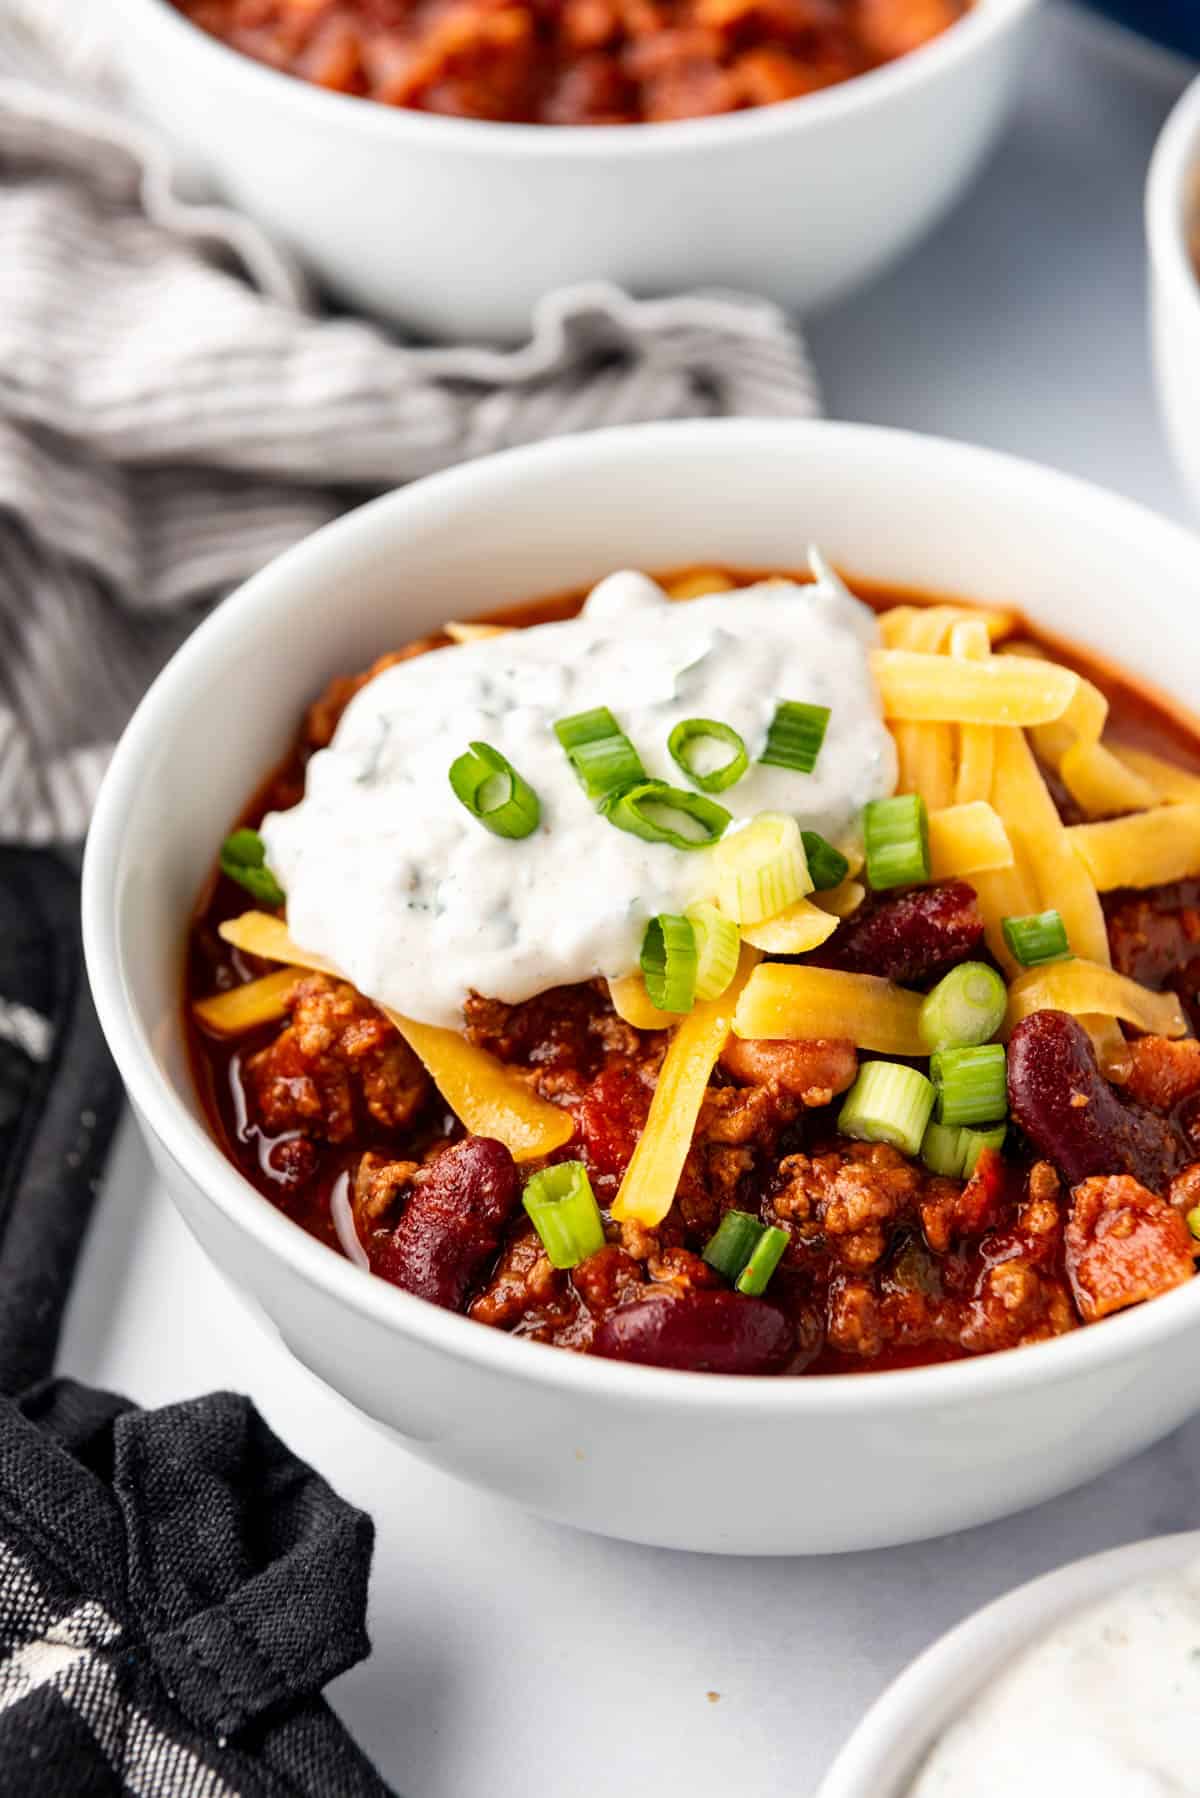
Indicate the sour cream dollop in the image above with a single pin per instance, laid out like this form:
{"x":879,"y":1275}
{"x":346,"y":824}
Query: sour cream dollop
{"x":391,"y":878}
{"x":1106,"y":1705}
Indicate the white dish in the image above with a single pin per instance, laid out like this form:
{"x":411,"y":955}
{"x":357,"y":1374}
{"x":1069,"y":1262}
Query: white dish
{"x":456,"y":227}
{"x":1172,"y":215}
{"x":687,"y":1460}
{"x":887,"y":1749}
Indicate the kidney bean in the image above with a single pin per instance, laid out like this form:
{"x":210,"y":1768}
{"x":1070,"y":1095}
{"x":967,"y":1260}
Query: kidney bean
{"x":702,"y":1332}
{"x":453,"y":1223}
{"x":912,"y":938}
{"x":1071,"y":1114}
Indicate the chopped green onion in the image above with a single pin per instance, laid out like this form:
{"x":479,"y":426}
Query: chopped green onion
{"x":888,"y":1103}
{"x":1193,"y":1220}
{"x":493,"y":792}
{"x":718,"y":942}
{"x":952,"y":1150}
{"x":732,"y":1246}
{"x":972,"y":1084}
{"x":669,"y":963}
{"x":746,"y":1251}
{"x":964,"y":1009}
{"x":760,"y":869}
{"x":764,"y":1259}
{"x":602,"y":756}
{"x":644,"y":811}
{"x":897,"y":841}
{"x":942,"y":1149}
{"x":1037,"y":939}
{"x":563,"y":1209}
{"x":976,"y":1141}
{"x":795,"y":736}
{"x":244,"y":859}
{"x":827,"y":866}
{"x":686,"y":746}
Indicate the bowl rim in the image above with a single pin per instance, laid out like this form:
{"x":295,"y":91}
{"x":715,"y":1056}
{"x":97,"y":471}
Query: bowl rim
{"x":996,"y":1632}
{"x":194,"y":1149}
{"x":1174,"y":163}
{"x":984,"y":21}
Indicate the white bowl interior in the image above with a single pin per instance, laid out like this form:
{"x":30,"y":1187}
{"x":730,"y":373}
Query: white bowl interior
{"x":887,"y":1749}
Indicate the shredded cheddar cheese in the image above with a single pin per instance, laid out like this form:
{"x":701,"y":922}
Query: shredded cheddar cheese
{"x":898,"y":623}
{"x":968,"y":840}
{"x":1146,"y":849}
{"x":794,"y":931}
{"x":844,"y":900}
{"x":787,"y":1000}
{"x":1101,"y":784}
{"x":969,"y":641}
{"x":633,"y":1005}
{"x":925,"y":752}
{"x":1169,"y":784}
{"x":1085,"y":989}
{"x":697,"y":583}
{"x":1009,"y":690}
{"x":1057,"y":875}
{"x":247,"y":1007}
{"x":474,"y":632}
{"x":648,"y":1189}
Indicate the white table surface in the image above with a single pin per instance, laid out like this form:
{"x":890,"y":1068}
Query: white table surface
{"x":512,"y":1655}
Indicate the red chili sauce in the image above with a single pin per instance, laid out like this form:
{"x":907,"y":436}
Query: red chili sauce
{"x":888,"y":1265}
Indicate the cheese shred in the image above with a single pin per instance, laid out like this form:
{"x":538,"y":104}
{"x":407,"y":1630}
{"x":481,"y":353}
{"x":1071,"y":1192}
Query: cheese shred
{"x":648,"y":1189}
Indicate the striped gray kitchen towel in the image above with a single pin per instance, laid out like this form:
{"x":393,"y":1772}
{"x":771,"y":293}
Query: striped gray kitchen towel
{"x":172,"y":404}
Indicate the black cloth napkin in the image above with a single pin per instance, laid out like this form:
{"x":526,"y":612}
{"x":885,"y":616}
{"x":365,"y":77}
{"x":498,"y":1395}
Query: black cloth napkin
{"x":59,"y":1102}
{"x":176,"y":1587}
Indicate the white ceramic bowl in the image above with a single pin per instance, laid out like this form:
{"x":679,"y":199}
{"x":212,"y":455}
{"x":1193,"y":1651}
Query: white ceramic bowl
{"x":456,"y":227}
{"x":886,"y":1750}
{"x":1172,"y":215}
{"x":692,"y":1460}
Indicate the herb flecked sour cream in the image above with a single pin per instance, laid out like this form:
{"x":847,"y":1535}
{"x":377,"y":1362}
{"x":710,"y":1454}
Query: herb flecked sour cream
{"x":392,"y":879}
{"x":1105,"y":1705}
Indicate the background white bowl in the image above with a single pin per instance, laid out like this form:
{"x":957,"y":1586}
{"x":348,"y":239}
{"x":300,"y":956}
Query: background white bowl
{"x":1172,"y":214}
{"x":456,"y":227}
{"x":887,"y":1748}
{"x":687,"y":1460}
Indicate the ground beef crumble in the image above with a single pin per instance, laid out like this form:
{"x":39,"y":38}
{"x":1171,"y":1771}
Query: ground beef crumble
{"x":885,"y":1260}
{"x":337,"y":1061}
{"x":1123,"y":1245}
